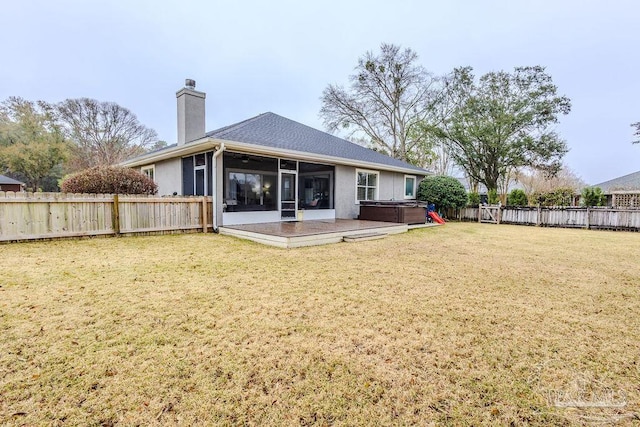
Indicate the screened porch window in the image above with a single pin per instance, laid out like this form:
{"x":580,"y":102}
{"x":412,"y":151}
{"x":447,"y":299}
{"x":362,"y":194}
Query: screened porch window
{"x":251,"y":191}
{"x":250,"y":182}
{"x":315,"y":191}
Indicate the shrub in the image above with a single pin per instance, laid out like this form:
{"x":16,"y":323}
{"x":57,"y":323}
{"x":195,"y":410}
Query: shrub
{"x":109,"y":180}
{"x":473,"y":199}
{"x":517,"y":197}
{"x":557,"y":197}
{"x":492,"y":197}
{"x":443,"y":191}
{"x":593,"y":196}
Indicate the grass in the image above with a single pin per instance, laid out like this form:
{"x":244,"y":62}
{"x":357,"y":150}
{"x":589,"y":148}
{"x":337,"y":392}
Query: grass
{"x":465,"y":324}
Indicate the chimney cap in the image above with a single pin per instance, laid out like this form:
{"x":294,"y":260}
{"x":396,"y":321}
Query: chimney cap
{"x":190,"y":84}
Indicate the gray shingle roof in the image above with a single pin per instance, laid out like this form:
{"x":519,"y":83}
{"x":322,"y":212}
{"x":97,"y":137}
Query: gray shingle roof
{"x":626,"y":182}
{"x":6,"y":180}
{"x":272,"y":130}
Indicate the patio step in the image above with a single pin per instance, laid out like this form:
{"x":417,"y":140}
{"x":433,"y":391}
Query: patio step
{"x":364,"y":236}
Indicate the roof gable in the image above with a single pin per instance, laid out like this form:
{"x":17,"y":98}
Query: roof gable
{"x":272,"y":130}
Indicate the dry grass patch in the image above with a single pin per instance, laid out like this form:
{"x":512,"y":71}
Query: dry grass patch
{"x":460,"y":325}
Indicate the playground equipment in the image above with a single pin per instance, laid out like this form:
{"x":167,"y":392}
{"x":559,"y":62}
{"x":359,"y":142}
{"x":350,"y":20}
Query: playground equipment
{"x":434,"y":216}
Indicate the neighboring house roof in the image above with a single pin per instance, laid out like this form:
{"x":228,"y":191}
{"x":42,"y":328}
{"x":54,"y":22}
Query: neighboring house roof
{"x":271,"y":133}
{"x":6,"y":180}
{"x":626,"y":182}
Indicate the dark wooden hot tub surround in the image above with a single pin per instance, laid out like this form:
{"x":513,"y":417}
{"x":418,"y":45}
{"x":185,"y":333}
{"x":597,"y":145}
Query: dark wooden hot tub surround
{"x":405,"y":212}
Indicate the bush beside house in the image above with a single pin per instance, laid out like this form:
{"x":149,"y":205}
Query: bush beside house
{"x":443,"y":191}
{"x":109,"y":180}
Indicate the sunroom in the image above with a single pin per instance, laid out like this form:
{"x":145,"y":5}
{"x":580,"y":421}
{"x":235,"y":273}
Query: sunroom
{"x":259,"y":188}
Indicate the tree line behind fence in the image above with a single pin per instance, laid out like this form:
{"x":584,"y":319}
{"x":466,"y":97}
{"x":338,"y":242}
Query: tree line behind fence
{"x":569,"y":217}
{"x":29,"y":216}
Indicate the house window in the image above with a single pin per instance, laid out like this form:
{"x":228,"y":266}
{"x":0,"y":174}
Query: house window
{"x":199,"y":173}
{"x":149,"y":171}
{"x":200,"y":159}
{"x":409,"y":187}
{"x":366,"y":185}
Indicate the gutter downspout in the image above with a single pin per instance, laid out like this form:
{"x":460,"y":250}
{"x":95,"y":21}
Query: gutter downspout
{"x":214,"y":178}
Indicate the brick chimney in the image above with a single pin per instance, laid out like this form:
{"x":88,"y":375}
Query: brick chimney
{"x":191,"y":124}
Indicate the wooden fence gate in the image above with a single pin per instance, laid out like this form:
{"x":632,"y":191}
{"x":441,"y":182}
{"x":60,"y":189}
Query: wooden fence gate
{"x":489,"y":214}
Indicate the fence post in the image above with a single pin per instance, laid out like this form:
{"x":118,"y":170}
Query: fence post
{"x":539,"y":217}
{"x":588,"y":217}
{"x":479,"y":213}
{"x":499,"y":214}
{"x":204,"y":214}
{"x":115,"y":212}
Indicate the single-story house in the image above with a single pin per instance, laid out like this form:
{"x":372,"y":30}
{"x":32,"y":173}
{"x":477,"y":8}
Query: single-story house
{"x":10,"y":184}
{"x":622,"y":192}
{"x":269,"y":168}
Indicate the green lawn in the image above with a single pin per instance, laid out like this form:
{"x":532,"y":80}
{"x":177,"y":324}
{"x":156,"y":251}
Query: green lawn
{"x":464,"y":324}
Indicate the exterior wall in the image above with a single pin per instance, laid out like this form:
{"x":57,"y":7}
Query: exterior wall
{"x":387,"y":186}
{"x":317,"y":214}
{"x":11,"y":187}
{"x":258,"y":217}
{"x":168,"y":176}
{"x":345,"y":192}
{"x":390,"y":187}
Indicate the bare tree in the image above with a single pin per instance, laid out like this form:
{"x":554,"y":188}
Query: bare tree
{"x":102,"y":133}
{"x":389,"y":100}
{"x":442,"y":163}
{"x":637,"y":132}
{"x":537,"y":181}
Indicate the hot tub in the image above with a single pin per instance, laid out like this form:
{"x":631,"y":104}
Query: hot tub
{"x":405,"y":212}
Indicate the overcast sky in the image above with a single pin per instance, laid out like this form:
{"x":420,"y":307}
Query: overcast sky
{"x":256,"y":56}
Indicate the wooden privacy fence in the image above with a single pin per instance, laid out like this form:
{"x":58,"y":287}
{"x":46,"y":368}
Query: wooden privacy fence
{"x":30,"y":216}
{"x":571,"y":217}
